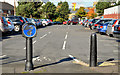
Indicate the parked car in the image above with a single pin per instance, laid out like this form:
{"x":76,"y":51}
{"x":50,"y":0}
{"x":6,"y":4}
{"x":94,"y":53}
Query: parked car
{"x":22,"y":19}
{"x":116,"y":32}
{"x":88,"y":22}
{"x":100,"y":22}
{"x":80,"y":22}
{"x":58,"y":23}
{"x":111,"y":25}
{"x":17,"y":22}
{"x":33,"y":21}
{"x":10,"y":24}
{"x":27,"y":20}
{"x":73,"y":21}
{"x":45,"y":22}
{"x":83,"y":23}
{"x":103,"y":28}
{"x":3,"y":24}
{"x":39,"y":22}
{"x":92,"y":22}
{"x":66,"y":22}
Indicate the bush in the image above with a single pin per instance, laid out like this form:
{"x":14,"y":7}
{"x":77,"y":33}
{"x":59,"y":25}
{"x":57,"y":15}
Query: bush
{"x":54,"y":20}
{"x":60,"y":19}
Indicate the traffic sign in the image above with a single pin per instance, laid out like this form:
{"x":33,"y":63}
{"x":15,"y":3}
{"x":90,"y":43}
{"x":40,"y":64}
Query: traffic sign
{"x":29,"y":30}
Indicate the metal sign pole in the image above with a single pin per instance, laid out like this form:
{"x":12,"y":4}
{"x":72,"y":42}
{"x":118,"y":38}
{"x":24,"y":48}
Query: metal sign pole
{"x":29,"y":31}
{"x":29,"y":54}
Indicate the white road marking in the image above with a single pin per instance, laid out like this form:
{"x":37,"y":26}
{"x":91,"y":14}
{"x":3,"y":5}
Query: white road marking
{"x":64,"y":44}
{"x":36,"y":59}
{"x":34,"y":42}
{"x":3,"y":56}
{"x":49,"y":32}
{"x":73,"y":58}
{"x":66,"y":36}
{"x":115,"y":51}
{"x":24,"y":47}
{"x":43,"y":36}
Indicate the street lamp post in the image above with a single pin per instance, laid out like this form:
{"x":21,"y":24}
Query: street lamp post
{"x":14,"y":8}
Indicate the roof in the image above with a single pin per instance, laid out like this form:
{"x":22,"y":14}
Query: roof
{"x":6,"y":6}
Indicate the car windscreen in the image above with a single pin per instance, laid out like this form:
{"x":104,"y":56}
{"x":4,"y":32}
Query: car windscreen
{"x":13,"y":18}
{"x":103,"y":21}
{"x":94,"y":20}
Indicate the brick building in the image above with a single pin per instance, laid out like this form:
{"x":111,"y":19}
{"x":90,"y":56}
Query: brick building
{"x":6,"y":9}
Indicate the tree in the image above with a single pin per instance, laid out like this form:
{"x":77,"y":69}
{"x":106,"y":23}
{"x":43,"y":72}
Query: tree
{"x":119,"y":3}
{"x":49,"y":10}
{"x":81,"y":12}
{"x":29,"y":9}
{"x":62,"y":10}
{"x":100,"y":6}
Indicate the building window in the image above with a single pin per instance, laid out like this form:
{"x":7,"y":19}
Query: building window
{"x":1,"y":11}
{"x":9,"y":12}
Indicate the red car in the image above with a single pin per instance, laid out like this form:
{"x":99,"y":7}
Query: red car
{"x":65,"y":22}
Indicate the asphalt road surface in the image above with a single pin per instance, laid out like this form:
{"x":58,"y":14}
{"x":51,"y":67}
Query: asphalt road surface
{"x":57,"y":43}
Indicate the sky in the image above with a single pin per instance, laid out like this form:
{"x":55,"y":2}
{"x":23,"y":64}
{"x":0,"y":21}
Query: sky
{"x":85,"y":3}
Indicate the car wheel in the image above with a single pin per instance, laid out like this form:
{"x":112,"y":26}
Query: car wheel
{"x":44,"y":24}
{"x":17,"y":28}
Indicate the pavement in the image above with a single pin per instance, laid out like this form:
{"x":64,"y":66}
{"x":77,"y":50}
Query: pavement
{"x":52,"y":50}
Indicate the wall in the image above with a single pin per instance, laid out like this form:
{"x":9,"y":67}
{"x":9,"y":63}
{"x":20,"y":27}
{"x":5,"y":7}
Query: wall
{"x":113,"y":12}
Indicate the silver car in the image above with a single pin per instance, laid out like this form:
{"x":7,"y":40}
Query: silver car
{"x":111,"y":25}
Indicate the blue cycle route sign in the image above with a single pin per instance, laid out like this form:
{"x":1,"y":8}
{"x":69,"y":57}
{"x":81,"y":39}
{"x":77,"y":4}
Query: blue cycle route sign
{"x":29,"y":30}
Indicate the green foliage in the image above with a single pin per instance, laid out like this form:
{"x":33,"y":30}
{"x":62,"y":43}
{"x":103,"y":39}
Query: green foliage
{"x":60,"y":19}
{"x":63,"y":10}
{"x":49,"y":10}
{"x":81,"y":12}
{"x":29,"y":9}
{"x":100,"y":6}
{"x":118,"y":3}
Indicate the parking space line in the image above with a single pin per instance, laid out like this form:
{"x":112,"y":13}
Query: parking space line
{"x":49,"y":32}
{"x":34,"y":42}
{"x":66,"y":36}
{"x":3,"y":56}
{"x":64,"y":44}
{"x":43,"y":36}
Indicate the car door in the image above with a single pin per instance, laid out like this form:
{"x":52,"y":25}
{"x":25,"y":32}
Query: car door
{"x":109,"y":27}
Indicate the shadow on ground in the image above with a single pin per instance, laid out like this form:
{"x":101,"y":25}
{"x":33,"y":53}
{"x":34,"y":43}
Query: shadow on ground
{"x":14,"y":61}
{"x":111,"y":59}
{"x":60,"y":61}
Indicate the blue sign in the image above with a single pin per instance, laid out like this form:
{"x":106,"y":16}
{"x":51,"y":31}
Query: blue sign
{"x":29,"y":30}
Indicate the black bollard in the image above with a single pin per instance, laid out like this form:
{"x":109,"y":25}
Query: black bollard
{"x":93,"y":50}
{"x":29,"y":64}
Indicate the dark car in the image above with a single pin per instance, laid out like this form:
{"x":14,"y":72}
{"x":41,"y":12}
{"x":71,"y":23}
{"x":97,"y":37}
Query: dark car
{"x":92,"y":22}
{"x":116,"y":32}
{"x":22,"y":19}
{"x":101,"y":22}
{"x":73,"y":21}
{"x":17,"y":22}
{"x":3,"y":24}
{"x":27,"y":19}
{"x":84,"y":22}
{"x":57,"y":22}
